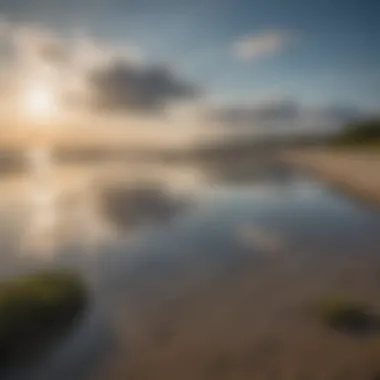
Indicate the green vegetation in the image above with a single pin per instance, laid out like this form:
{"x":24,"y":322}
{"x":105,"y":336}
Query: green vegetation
{"x":361,"y":133}
{"x":342,"y":313}
{"x":34,"y":310}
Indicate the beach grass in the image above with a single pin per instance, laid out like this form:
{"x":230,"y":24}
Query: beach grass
{"x":34,"y":309}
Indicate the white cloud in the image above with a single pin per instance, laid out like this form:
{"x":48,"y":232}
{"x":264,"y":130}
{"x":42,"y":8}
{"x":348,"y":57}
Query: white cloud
{"x":260,"y":45}
{"x":85,"y":75}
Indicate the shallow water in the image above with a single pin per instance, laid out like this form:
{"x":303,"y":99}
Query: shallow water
{"x":172,"y":234}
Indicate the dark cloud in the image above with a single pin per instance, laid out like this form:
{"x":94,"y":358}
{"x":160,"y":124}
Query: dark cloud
{"x":123,"y":86}
{"x":271,"y":112}
{"x":340,"y":114}
{"x":284,"y":114}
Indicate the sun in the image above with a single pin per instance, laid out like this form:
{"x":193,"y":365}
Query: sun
{"x":40,"y":101}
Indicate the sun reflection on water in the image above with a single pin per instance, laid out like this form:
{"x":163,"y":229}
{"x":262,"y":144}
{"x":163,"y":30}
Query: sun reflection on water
{"x":40,"y":232}
{"x":61,"y":208}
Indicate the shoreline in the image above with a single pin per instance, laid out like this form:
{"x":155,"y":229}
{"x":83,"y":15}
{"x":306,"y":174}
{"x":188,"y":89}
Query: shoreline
{"x":354,"y":172}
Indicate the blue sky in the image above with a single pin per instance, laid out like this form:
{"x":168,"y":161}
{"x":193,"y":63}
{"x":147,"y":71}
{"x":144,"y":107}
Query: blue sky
{"x":335,"y":54}
{"x":327,"y":53}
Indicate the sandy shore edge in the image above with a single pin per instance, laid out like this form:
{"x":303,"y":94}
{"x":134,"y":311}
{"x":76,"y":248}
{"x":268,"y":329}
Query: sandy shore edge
{"x":356,"y":172}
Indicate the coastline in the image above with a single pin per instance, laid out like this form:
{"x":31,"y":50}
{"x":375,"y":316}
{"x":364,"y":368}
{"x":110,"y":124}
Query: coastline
{"x":356,"y":172}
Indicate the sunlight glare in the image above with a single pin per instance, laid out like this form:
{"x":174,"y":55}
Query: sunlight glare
{"x":40,"y":101}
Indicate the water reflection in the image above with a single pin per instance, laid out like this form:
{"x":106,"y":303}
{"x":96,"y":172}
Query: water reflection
{"x":39,"y":233}
{"x":129,"y":205}
{"x":248,"y":171}
{"x":178,"y":256}
{"x":58,"y":210}
{"x":262,"y":239}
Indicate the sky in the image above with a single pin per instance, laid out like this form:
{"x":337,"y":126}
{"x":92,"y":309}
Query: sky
{"x":169,"y":66}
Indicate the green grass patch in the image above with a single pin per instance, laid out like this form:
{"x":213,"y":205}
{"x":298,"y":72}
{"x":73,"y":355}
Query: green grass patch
{"x":36,"y":309}
{"x":343,"y":313}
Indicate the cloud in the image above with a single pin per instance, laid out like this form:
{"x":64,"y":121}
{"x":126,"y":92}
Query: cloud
{"x":124,"y":86}
{"x":51,"y":50}
{"x":38,"y":45}
{"x":268,"y":112}
{"x":257,"y":46}
{"x":87,"y":76}
{"x":339,"y":113}
{"x":282,"y":115}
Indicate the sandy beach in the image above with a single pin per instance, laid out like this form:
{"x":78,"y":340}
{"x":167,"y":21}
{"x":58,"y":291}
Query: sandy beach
{"x":354,"y":171}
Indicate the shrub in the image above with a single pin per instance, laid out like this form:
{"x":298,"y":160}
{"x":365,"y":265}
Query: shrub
{"x":34,"y":309}
{"x":345,"y":314}
{"x":365,"y":132}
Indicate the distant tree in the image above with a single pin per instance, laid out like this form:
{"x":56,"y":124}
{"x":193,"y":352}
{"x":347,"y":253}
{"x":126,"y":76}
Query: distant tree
{"x":364,"y":132}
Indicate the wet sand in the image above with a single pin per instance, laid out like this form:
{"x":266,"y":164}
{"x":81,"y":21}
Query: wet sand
{"x":243,"y":319}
